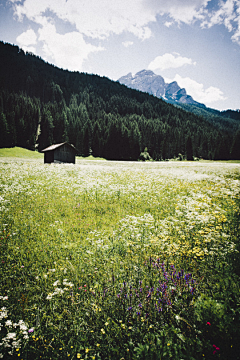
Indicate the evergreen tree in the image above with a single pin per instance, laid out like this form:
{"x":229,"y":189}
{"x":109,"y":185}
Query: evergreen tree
{"x":189,"y":148}
{"x":134,"y":142}
{"x":112,"y":149}
{"x":86,"y":142}
{"x":96,"y":141}
{"x":4,"y":131}
{"x":46,"y":128}
{"x":221,"y":149}
{"x":235,"y":150}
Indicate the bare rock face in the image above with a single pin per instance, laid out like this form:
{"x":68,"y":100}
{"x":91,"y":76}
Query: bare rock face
{"x":147,"y":81}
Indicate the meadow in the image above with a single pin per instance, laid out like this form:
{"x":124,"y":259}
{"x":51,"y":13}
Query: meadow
{"x":119,"y":260}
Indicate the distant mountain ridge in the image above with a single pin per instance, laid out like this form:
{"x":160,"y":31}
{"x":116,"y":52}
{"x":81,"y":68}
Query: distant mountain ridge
{"x":148,"y":81}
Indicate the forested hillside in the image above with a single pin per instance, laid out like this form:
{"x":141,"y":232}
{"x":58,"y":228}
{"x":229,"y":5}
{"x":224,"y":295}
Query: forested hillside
{"x":226,"y":119}
{"x":41,"y":104}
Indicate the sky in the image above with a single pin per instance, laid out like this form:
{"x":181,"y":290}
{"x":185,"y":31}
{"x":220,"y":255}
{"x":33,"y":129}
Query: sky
{"x":193,"y":42}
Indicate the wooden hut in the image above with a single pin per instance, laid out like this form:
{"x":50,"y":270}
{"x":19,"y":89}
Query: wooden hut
{"x":60,"y":153}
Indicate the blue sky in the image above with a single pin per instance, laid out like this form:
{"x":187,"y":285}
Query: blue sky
{"x":195,"y":42}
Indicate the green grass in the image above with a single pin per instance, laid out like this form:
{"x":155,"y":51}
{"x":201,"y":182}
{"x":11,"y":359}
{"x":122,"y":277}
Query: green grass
{"x":18,"y":152}
{"x":116,"y":260}
{"x":89,"y":158}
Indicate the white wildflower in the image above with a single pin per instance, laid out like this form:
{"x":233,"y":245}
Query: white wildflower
{"x":65,"y":283}
{"x":58,"y":291}
{"x":3,"y":313}
{"x":16,"y":344}
{"x":23,"y":327}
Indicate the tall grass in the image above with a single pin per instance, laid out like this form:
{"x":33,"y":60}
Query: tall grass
{"x":114,"y":260}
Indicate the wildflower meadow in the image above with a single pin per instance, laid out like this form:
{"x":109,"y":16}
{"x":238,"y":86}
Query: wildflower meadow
{"x":119,"y":260}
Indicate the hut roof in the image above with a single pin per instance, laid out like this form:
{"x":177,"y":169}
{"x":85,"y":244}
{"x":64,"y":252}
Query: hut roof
{"x":55,"y":146}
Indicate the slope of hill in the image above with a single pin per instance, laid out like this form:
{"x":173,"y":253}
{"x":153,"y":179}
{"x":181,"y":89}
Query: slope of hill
{"x":41,"y":104}
{"x":18,"y":152}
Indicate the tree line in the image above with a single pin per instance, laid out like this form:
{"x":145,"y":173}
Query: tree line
{"x":41,"y":104}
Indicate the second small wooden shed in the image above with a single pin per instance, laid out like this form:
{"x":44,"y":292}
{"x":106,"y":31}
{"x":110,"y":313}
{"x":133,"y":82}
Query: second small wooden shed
{"x":60,"y":153}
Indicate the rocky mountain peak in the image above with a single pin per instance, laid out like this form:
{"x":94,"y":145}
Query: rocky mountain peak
{"x":145,"y":73}
{"x":148,"y":81}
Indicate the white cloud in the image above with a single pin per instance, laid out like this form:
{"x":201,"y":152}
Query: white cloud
{"x":168,"y":61}
{"x":227,"y":14}
{"x":185,"y":11}
{"x":190,"y":11}
{"x":29,"y":49}
{"x":68,"y":51}
{"x":97,"y":19}
{"x":168,"y":23}
{"x":27,"y":38}
{"x":197,"y":91}
{"x":91,"y":18}
{"x":127,"y":43}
